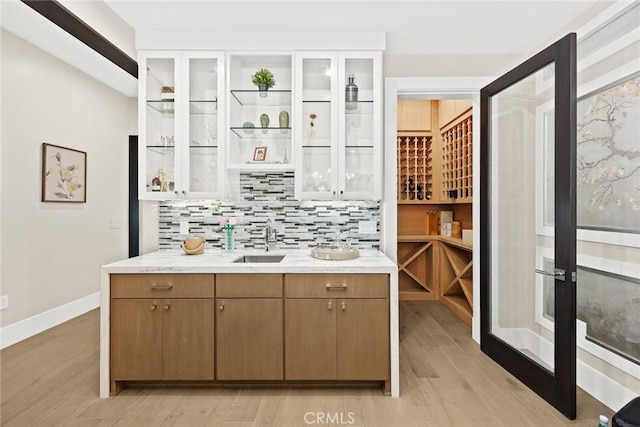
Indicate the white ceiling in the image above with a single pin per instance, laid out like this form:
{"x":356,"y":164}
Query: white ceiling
{"x":421,"y":27}
{"x":426,"y":27}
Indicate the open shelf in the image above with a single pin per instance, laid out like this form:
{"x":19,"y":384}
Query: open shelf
{"x":260,"y":166}
{"x":164,"y":106}
{"x":414,"y":261}
{"x":457,"y":160}
{"x":262,"y":133}
{"x":205,"y":107}
{"x":456,"y":277}
{"x":274,"y":98}
{"x":415,"y":166}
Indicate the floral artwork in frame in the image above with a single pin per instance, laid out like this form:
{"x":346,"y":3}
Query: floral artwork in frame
{"x":607,"y":164}
{"x":64,"y":174}
{"x":608,"y":175}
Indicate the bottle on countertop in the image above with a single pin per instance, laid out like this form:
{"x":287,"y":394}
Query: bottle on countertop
{"x":604,"y":421}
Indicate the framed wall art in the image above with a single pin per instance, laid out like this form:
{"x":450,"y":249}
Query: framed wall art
{"x":608,"y":161}
{"x":64,"y":174}
{"x":608,"y":195}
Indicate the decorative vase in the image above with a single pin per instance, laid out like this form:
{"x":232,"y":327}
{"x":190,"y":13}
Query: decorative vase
{"x":351,"y":93}
{"x":228,"y":231}
{"x":248,"y":127}
{"x":264,"y":121}
{"x":283,"y":118}
{"x":262,"y":90}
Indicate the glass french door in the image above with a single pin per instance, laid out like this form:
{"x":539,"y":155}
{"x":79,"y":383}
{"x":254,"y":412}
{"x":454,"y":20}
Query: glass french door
{"x":528,"y":220}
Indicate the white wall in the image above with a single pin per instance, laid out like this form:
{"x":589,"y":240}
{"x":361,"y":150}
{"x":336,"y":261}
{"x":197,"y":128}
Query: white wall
{"x":447,"y":65}
{"x":51,"y":253}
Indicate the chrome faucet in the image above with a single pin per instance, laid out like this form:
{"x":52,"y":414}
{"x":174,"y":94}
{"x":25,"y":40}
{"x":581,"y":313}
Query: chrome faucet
{"x":270,"y":237}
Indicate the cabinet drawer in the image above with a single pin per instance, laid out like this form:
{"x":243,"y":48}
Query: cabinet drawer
{"x":162,"y":285}
{"x":336,"y":285}
{"x":249,"y":286}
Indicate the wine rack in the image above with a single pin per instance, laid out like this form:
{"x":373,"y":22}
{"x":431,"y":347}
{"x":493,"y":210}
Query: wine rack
{"x":457,"y":161}
{"x":415,"y":167}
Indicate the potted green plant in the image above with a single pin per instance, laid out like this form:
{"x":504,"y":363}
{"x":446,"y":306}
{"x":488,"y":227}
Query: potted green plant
{"x":263,"y":78}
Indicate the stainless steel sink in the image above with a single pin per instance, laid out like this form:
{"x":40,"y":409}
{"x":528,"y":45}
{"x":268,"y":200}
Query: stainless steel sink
{"x":260,"y":258}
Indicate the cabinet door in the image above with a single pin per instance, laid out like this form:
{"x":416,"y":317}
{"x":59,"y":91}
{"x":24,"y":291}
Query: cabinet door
{"x":310,"y":337}
{"x":360,"y":127}
{"x":136,"y":339}
{"x":188,"y":328}
{"x":159,"y":109}
{"x":203,"y":131}
{"x":363,"y":339}
{"x":316,"y":132}
{"x":249,"y":339}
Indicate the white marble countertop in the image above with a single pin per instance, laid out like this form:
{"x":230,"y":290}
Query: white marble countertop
{"x":212,"y":261}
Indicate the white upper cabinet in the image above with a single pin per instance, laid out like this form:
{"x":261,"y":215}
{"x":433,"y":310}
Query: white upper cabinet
{"x":260,"y":121}
{"x":181,"y":150}
{"x":338,"y":128}
{"x":202,"y":118}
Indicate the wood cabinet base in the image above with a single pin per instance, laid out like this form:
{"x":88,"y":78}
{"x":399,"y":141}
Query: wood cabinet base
{"x":384,"y":386}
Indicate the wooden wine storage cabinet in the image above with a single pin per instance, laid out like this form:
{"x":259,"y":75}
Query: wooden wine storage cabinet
{"x":435,"y":173}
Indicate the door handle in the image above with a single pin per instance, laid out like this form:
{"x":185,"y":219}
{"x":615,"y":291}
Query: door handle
{"x":557,"y":274}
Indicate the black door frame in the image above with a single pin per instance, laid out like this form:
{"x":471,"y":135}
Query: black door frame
{"x":559,"y":387}
{"x":134,"y":203}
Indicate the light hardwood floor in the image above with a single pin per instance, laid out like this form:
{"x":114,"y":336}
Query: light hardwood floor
{"x":52,"y":380}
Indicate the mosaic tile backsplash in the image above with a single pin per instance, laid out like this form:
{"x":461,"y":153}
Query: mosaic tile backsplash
{"x":299,"y":223}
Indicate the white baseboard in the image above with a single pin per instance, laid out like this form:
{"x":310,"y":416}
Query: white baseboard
{"x":606,"y":390}
{"x":26,"y":328}
{"x":611,"y":393}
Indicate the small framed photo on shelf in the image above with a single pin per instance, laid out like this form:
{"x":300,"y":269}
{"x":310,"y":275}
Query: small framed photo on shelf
{"x":260,"y":154}
{"x":64,"y":174}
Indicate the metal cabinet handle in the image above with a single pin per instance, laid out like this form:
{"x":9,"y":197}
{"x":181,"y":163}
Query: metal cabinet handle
{"x":221,"y":307}
{"x":155,"y":287}
{"x":167,"y":306}
{"x":344,"y":305}
{"x":557,"y":274}
{"x":329,"y":305}
{"x":336,"y":286}
{"x":154,"y":306}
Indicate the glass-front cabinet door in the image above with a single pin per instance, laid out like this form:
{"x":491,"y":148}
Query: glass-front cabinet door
{"x":360,"y":125}
{"x":178,"y":124}
{"x":338,"y":137}
{"x":158,"y":108}
{"x":316,"y":136}
{"x":203,"y":172}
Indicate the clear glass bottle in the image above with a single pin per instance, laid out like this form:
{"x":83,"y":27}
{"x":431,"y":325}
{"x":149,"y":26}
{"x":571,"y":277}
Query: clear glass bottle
{"x":351,"y":93}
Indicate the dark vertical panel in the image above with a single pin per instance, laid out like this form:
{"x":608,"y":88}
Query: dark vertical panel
{"x":485,"y":223}
{"x":565,"y":222}
{"x":134,"y":203}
